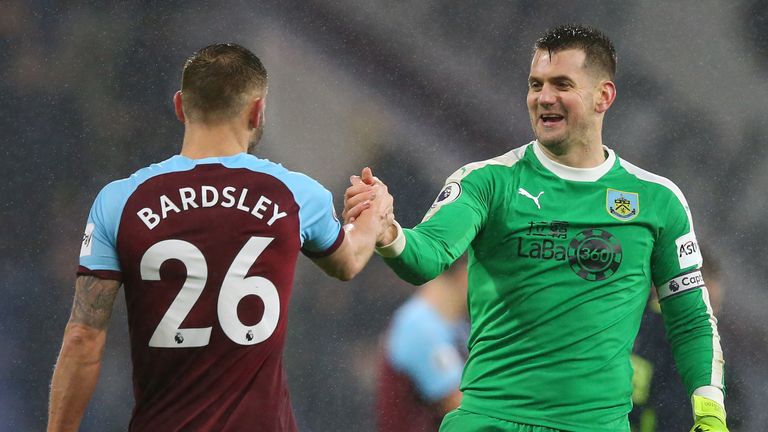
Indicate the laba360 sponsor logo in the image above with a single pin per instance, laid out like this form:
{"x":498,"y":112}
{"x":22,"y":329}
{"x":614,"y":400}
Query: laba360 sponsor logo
{"x":593,"y":254}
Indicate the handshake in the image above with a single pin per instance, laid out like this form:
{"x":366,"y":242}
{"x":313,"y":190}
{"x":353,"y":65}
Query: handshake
{"x":368,"y":201}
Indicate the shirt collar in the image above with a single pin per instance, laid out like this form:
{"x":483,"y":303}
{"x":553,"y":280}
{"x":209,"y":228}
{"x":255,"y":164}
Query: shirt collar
{"x":575,"y":174}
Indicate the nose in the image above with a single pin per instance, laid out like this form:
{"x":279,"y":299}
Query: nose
{"x":547,"y":95}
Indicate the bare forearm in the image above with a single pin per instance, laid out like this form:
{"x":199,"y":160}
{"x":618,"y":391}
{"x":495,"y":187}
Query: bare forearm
{"x":368,"y":212}
{"x":363,"y":239}
{"x":77,"y":368}
{"x":75,"y":376}
{"x":356,"y":249}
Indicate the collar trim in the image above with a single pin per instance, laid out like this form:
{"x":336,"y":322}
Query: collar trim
{"x":575,"y":174}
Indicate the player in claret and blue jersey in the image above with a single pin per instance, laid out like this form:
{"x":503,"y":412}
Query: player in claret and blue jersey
{"x":565,"y":239}
{"x":423,"y":354}
{"x":206,"y":245}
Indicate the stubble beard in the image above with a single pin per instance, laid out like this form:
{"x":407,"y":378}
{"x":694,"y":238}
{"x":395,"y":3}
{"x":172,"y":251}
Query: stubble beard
{"x":572,"y":137}
{"x":256,"y":137}
{"x":556,"y":145}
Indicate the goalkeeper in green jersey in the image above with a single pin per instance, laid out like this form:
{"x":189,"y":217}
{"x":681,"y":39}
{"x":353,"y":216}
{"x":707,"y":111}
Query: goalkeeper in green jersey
{"x":564,"y":240}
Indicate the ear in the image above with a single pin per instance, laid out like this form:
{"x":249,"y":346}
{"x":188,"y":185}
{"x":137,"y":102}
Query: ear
{"x":606,"y":96}
{"x":256,"y":115}
{"x":177,"y":107}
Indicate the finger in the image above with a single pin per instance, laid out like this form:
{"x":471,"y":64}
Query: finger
{"x":380,"y":189}
{"x":354,"y":180}
{"x":358,"y":198}
{"x":356,"y":211}
{"x":367,"y":176}
{"x":356,"y":190}
{"x":354,"y":199}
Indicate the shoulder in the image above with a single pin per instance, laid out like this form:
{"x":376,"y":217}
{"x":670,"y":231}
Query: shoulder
{"x":414,"y":311}
{"x":490,"y":166}
{"x":294,"y":180}
{"x":414,"y":324}
{"x":655,"y":182}
{"x":125,"y":186}
{"x":420,"y":340}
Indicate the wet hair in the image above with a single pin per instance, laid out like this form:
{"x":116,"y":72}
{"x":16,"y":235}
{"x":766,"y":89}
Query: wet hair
{"x":599,"y":50}
{"x":218,"y":80}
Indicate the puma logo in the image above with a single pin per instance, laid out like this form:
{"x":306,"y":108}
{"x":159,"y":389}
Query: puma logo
{"x":526,"y":194}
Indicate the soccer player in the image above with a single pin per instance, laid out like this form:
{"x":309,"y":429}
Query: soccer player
{"x":424,"y":351}
{"x":206,"y":245}
{"x":564,"y":240}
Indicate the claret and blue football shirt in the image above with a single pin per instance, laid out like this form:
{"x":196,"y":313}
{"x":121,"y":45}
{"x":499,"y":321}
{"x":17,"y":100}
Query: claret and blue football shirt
{"x":206,"y":250}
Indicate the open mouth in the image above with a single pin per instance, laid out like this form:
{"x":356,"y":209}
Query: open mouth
{"x":551,"y":119}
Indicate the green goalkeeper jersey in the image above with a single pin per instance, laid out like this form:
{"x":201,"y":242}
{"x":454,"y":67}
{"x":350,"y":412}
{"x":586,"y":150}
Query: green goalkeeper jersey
{"x":561,"y":261}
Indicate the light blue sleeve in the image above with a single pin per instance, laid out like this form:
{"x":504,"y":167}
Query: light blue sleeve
{"x":421,"y":345}
{"x":320,"y":227}
{"x":99,"y":249}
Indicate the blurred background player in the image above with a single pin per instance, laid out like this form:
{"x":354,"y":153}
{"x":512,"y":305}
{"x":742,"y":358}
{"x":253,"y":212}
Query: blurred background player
{"x":423,"y":356}
{"x":206,"y":245}
{"x":658,"y":397}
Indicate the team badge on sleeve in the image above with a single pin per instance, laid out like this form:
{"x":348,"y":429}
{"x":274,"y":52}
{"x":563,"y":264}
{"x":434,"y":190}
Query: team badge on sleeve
{"x":450,"y":193}
{"x":85,"y":247}
{"x":688,"y":253}
{"x":623,"y":206}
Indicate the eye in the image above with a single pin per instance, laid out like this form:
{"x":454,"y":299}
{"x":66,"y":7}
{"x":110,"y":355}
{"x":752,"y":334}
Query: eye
{"x":563,"y":84}
{"x":534,"y":85}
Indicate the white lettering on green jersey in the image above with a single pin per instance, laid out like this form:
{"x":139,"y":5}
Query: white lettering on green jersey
{"x":561,"y":261}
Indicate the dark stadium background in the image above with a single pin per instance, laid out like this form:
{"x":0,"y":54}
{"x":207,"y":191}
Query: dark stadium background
{"x":414,"y":88}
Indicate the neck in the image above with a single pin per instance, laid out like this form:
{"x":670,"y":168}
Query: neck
{"x":218,"y":140}
{"x":577,"y":155}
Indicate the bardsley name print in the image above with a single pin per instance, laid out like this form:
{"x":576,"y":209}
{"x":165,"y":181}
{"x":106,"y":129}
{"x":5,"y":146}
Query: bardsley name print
{"x":208,"y":196}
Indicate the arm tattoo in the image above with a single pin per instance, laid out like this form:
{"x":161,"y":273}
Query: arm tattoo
{"x":94,"y":298}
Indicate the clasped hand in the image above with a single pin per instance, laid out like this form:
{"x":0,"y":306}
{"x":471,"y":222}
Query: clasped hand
{"x":369,"y":194}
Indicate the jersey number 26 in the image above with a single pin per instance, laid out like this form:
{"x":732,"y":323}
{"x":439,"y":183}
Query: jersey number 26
{"x":234,"y":288}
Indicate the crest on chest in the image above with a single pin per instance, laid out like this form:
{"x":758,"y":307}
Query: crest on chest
{"x":623,"y":206}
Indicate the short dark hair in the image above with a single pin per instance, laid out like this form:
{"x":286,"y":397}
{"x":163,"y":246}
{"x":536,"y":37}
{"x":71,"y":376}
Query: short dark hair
{"x":598,"y":48}
{"x":217,"y":81}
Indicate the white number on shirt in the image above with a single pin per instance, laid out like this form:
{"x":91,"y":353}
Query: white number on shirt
{"x":234,"y":288}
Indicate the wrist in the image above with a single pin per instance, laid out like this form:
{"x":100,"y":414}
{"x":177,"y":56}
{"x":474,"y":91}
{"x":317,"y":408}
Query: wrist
{"x":704,"y":407}
{"x":387,"y":237}
{"x":392,"y":242}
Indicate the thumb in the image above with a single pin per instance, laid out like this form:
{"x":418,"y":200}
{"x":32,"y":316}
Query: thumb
{"x":368,"y":176}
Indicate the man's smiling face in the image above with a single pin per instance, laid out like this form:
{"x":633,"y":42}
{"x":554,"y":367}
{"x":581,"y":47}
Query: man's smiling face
{"x":562,"y":94}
